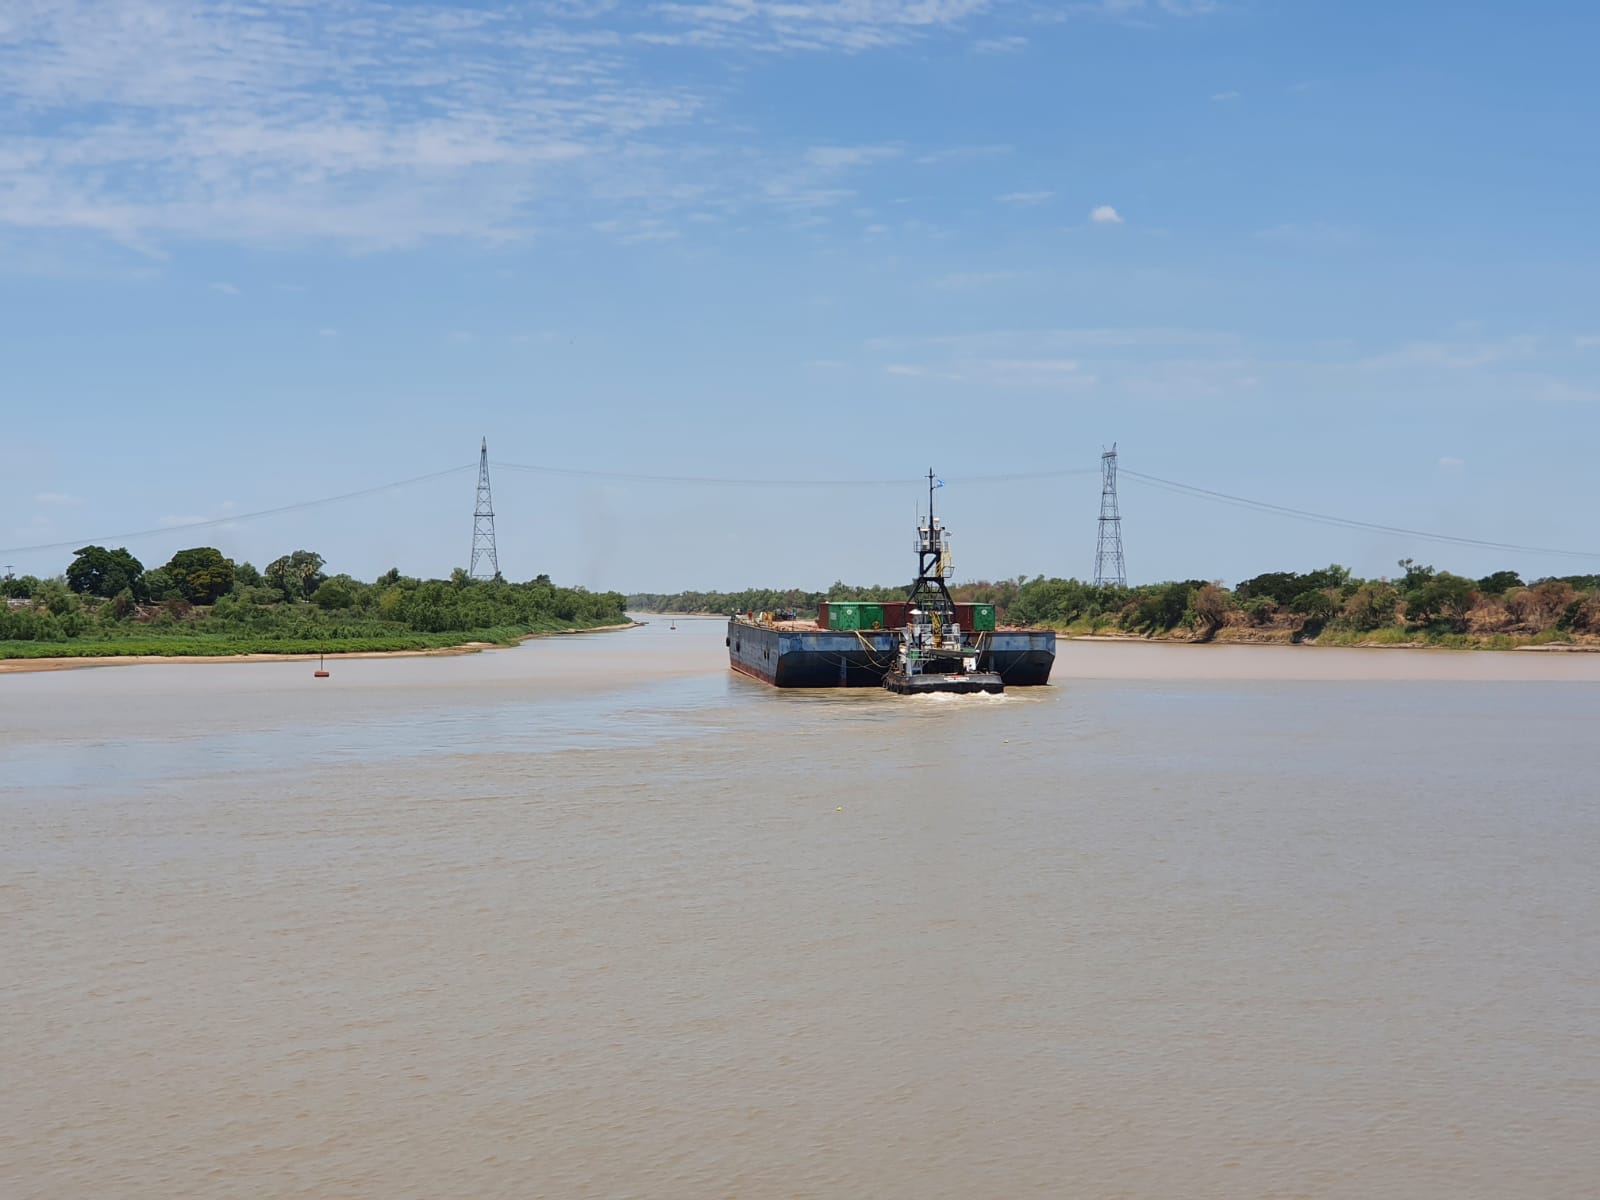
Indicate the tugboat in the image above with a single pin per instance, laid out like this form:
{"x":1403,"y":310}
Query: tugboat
{"x":924,"y":643}
{"x":933,"y":655}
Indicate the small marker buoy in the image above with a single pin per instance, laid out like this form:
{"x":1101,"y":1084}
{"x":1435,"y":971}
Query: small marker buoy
{"x":839,"y":809}
{"x":319,"y":673}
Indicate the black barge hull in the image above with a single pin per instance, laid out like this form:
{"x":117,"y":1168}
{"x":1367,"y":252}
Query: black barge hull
{"x":830,"y":658}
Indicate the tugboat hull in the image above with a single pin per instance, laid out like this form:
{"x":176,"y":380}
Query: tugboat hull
{"x":936,"y":683}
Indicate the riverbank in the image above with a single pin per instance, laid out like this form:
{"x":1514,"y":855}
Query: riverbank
{"x":1388,"y":639}
{"x":21,"y":665}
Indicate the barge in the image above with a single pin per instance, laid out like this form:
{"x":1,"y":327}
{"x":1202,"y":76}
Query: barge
{"x":924,"y":643}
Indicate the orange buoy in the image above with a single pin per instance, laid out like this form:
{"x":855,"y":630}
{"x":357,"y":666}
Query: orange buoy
{"x":319,"y":673}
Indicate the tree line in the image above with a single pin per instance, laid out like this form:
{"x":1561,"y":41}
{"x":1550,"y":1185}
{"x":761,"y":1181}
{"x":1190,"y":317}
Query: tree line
{"x":108,"y":594}
{"x":1419,"y":601}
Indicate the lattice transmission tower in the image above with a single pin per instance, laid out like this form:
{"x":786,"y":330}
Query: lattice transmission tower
{"x":485,"y":562}
{"x":1109,"y":567}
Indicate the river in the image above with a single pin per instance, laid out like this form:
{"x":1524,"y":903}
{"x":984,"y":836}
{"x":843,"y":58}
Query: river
{"x":595,"y":917}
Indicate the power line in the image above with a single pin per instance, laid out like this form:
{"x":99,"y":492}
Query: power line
{"x":705,"y":480}
{"x":1185,"y":489}
{"x":1153,"y":481}
{"x":251,"y":516}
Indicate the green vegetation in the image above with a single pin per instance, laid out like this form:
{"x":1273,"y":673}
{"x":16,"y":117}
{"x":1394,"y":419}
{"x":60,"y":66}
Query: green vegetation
{"x":1330,"y":606}
{"x":201,"y":603}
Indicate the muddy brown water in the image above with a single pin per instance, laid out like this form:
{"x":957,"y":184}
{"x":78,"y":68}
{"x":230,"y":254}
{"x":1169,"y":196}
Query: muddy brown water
{"x":596,"y":918}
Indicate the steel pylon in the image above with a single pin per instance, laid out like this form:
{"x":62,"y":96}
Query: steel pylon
{"x":485,"y":561}
{"x":1109,"y":567}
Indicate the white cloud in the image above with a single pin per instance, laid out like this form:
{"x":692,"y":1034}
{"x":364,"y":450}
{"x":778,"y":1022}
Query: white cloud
{"x":1451,"y":464}
{"x":1224,"y":97}
{"x":1105,"y":215}
{"x":1024,"y":198}
{"x":1000,"y":45}
{"x":836,"y":158}
{"x":375,"y":125}
{"x":850,"y":26}
{"x":1135,"y":12}
{"x":57,"y":499}
{"x":1455,"y":356}
{"x":327,"y":333}
{"x":227,"y":289}
{"x":1588,"y":341}
{"x":963,"y":153}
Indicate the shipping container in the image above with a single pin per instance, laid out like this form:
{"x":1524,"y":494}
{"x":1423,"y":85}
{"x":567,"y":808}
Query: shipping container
{"x":894,"y":614}
{"x":871,"y":616}
{"x":844,"y":614}
{"x":982,"y":618}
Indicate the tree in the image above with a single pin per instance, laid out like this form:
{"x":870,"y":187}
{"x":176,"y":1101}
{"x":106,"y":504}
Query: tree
{"x":1371,"y":607}
{"x":101,"y":572}
{"x":333,"y":593}
{"x":20,"y":588}
{"x":246,"y":576}
{"x":297,"y":576}
{"x":1441,"y":596}
{"x":1414,"y":576}
{"x":1210,"y":607}
{"x":1499,"y":583}
{"x":53,"y":594}
{"x":159,"y":585}
{"x":201,"y":574}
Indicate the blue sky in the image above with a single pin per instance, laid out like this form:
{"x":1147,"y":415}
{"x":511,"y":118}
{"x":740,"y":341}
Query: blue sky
{"x":1334,"y":256}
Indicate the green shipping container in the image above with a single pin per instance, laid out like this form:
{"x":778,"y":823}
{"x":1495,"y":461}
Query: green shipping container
{"x":844,"y":614}
{"x":982,"y":618}
{"x":871,"y":616}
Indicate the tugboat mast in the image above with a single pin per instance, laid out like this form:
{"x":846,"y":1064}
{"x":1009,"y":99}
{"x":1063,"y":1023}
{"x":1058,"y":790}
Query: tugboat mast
{"x":932,"y":549}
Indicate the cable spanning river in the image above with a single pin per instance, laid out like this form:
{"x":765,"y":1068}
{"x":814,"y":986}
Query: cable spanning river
{"x":595,"y":917}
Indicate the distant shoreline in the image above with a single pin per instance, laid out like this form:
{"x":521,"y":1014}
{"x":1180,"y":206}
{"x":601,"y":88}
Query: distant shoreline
{"x":18,"y":666}
{"x":1313,"y":643}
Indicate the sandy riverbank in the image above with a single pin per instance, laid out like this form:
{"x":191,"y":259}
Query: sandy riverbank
{"x":20,"y":665}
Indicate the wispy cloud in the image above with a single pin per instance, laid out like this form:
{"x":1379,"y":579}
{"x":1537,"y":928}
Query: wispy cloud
{"x":1588,"y":341}
{"x":917,"y":371}
{"x":227,"y":289}
{"x":1134,"y":12}
{"x":1455,"y":356}
{"x":965,"y":280}
{"x":57,"y":499}
{"x":1224,"y":97}
{"x":1105,"y":215}
{"x":375,"y":125}
{"x":1024,"y":198}
{"x":835,"y":158}
{"x":1451,"y":464}
{"x":851,"y":26}
{"x":963,"y":153}
{"x":1000,"y":45}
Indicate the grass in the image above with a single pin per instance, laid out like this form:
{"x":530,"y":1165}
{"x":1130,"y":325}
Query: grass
{"x":188,"y":645}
